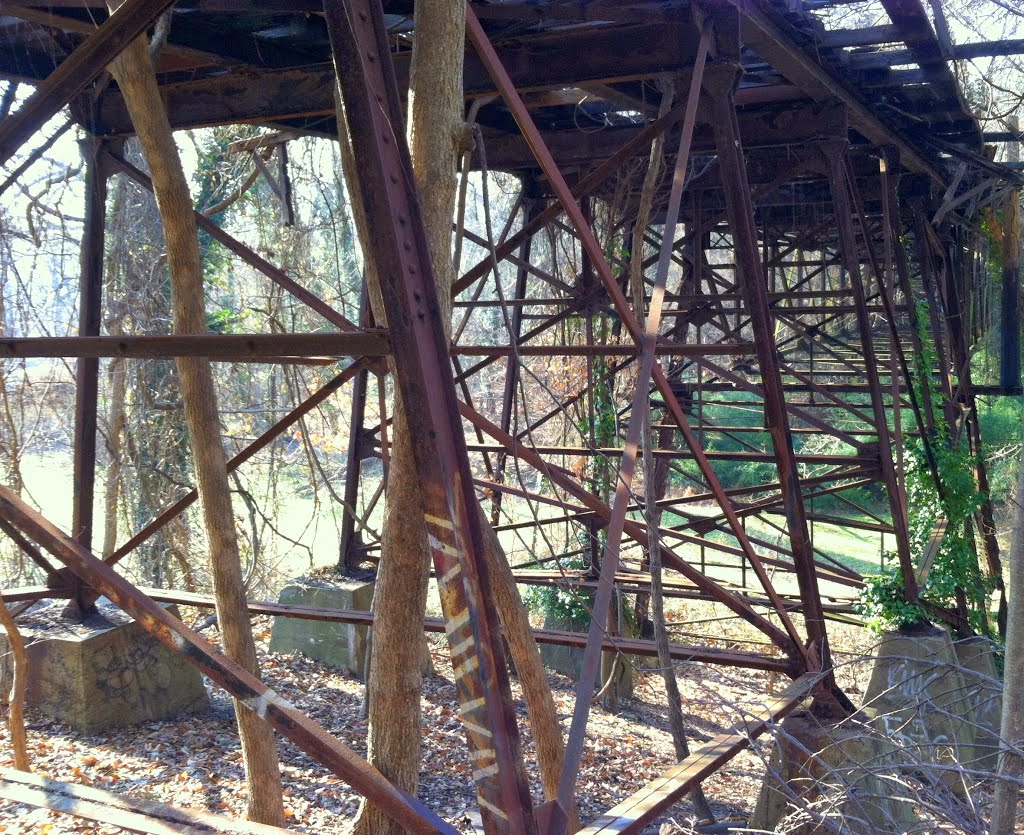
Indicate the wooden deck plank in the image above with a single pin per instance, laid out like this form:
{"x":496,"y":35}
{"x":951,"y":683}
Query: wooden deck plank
{"x":639,"y":809}
{"x":134,"y":814}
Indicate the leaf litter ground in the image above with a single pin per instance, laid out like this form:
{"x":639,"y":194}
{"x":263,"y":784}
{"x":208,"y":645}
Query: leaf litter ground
{"x":196,"y":761}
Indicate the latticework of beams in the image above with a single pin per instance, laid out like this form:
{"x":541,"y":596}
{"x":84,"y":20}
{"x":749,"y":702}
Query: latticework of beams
{"x":776,"y":284}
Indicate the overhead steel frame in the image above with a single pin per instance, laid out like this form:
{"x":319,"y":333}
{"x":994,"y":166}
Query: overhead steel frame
{"x":744,"y":297}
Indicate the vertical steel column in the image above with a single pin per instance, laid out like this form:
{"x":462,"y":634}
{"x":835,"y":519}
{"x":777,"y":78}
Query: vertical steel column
{"x":935,"y":320}
{"x":1009,"y":354}
{"x":530,"y":210}
{"x":960,"y":349}
{"x":887,"y":289}
{"x":348,"y":541}
{"x":835,"y":155}
{"x":90,"y":297}
{"x":720,"y":83}
{"x":890,"y":157}
{"x":369,"y":94}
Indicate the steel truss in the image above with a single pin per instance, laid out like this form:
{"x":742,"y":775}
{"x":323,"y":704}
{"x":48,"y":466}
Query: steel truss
{"x":793,"y":289}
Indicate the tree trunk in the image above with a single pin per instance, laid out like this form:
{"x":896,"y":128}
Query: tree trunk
{"x":395,"y":681}
{"x":540,"y":705}
{"x":16,"y":698}
{"x":1011,"y":764}
{"x":117,"y":376}
{"x":133,"y":71}
{"x":115,"y":428}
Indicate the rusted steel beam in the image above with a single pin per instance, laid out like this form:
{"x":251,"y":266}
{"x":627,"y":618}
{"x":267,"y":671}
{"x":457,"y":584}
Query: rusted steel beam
{"x":131,"y":814}
{"x":593,"y":251}
{"x":927,"y":51}
{"x":926,"y":265}
{"x":835,"y":388}
{"x":24,"y":594}
{"x":985,"y":518}
{"x":636,"y":531}
{"x":835,"y":154}
{"x":743,"y":430}
{"x":889,"y":165}
{"x":638,"y":143}
{"x":369,"y":95}
{"x":234,"y":463}
{"x":78,"y":71}
{"x":347,"y":541}
{"x":836,"y":573}
{"x":633,"y":814}
{"x":561,"y":58}
{"x":249,"y":256}
{"x":87,"y":369}
{"x":804,"y":458}
{"x":823,"y":389}
{"x":770,"y":36}
{"x":543,"y":327}
{"x":240,"y":684}
{"x":1009,"y":345}
{"x":771,"y":503}
{"x":522,"y":263}
{"x":630,"y":646}
{"x":720,"y":86}
{"x":733,"y":381}
{"x":579,"y":512}
{"x":531,"y":208}
{"x":623,"y":482}
{"x":577,"y":149}
{"x":234,"y":347}
{"x":661,"y":349}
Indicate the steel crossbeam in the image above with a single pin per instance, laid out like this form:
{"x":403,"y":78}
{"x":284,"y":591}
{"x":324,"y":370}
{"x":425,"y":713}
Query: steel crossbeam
{"x":79,"y":71}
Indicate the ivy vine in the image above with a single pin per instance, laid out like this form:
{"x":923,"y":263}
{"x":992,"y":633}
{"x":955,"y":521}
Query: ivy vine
{"x":955,"y":575}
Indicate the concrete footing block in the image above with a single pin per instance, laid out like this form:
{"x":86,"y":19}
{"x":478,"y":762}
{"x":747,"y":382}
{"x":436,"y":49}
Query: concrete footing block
{"x":106,"y":672}
{"x":920,"y":698}
{"x":569,"y":660}
{"x":829,"y":777}
{"x":983,"y":698}
{"x":341,"y":645}
{"x":929,"y":702}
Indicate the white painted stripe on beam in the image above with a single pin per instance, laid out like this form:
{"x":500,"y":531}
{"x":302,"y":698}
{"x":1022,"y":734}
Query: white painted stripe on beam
{"x":437,"y":520}
{"x":477,"y":729}
{"x":482,"y":753}
{"x":259,"y":704}
{"x":461,"y":648}
{"x":467,"y":666}
{"x":455,"y":569}
{"x":490,"y":807}
{"x":457,"y":622}
{"x":469,"y":707}
{"x":480,"y":773}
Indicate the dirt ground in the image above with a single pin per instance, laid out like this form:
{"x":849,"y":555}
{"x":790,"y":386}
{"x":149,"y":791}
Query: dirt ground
{"x":196,"y":762}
